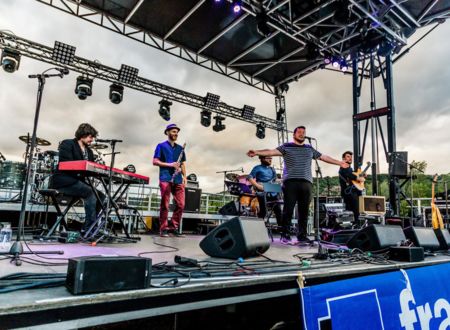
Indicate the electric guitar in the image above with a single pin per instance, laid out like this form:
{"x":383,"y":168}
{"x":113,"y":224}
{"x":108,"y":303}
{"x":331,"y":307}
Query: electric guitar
{"x":436,"y":217}
{"x":360,"y":185}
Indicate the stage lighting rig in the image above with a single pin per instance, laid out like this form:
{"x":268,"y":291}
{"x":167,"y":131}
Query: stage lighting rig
{"x":63,"y":53}
{"x":219,"y":126}
{"x":237,"y":6}
{"x":116,"y":93}
{"x":83,"y":87}
{"x":248,"y":112}
{"x":10,"y":60}
{"x":260,"y":130}
{"x":211,"y":101}
{"x":343,"y":65}
{"x":128,"y":74}
{"x":205,"y":118}
{"x":164,"y":109}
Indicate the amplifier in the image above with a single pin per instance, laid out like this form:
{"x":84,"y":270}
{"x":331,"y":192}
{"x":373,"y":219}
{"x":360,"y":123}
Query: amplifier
{"x":192,"y":197}
{"x":372,"y":204}
{"x":105,"y":274}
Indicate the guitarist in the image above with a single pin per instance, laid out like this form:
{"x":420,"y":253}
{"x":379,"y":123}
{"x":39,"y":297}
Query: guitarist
{"x":349,"y":193}
{"x":171,"y":160}
{"x":260,"y":174}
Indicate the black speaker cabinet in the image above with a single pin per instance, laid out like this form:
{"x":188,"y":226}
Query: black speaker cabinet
{"x":229,"y":208}
{"x":443,"y":236}
{"x":398,"y":164}
{"x":424,"y":237}
{"x":192,"y":197}
{"x":376,"y":237}
{"x":104,"y":274}
{"x":237,"y":238}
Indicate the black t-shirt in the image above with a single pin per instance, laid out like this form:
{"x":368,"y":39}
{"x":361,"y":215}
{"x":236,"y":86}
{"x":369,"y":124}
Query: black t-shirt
{"x":345,"y":178}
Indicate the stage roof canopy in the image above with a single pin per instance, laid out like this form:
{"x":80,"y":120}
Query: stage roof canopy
{"x":267,"y":42}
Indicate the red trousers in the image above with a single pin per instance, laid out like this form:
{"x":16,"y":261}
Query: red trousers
{"x":177,"y":190}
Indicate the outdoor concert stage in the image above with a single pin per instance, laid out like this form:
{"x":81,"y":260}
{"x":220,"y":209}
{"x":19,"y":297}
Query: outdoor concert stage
{"x":264,"y":291}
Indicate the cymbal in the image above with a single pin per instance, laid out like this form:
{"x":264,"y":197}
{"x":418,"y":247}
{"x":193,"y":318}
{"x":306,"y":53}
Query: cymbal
{"x":232,"y":177}
{"x":98,"y":146}
{"x":39,"y":141}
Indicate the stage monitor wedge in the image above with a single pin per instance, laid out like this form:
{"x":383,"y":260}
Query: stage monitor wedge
{"x":424,"y":237}
{"x":237,"y":238}
{"x":376,"y":238}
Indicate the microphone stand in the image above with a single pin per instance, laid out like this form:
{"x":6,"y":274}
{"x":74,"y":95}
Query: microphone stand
{"x":16,"y":249}
{"x":316,"y":211}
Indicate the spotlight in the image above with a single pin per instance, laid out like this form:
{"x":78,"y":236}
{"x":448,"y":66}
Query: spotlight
{"x":283,"y":88}
{"x":218,"y":126}
{"x":84,"y":87}
{"x":248,"y":112}
{"x":164,"y":109}
{"x":211,"y":101}
{"x":326,"y":60}
{"x":343,"y":65}
{"x":128,"y":74}
{"x":63,"y":53}
{"x":192,"y":177}
{"x":335,"y":62}
{"x":261,"y":130}
{"x":261,"y":24}
{"x":237,"y":6}
{"x":116,"y":93}
{"x":10,"y":60}
{"x":205,"y":118}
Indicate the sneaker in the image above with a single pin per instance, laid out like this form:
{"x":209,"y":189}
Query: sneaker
{"x":177,"y":233}
{"x":303,"y":239}
{"x":285,"y":238}
{"x":164,"y":233}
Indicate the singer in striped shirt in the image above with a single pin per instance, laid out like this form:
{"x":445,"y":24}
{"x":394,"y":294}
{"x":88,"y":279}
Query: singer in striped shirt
{"x":297,"y":179}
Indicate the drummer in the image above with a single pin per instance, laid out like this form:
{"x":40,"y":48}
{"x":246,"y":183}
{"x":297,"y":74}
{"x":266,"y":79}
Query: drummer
{"x":265,"y":173}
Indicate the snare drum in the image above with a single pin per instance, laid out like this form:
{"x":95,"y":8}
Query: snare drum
{"x":12,"y":175}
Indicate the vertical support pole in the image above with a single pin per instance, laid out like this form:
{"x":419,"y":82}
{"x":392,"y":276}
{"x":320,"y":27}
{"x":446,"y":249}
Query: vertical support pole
{"x":394,"y":197}
{"x":372,"y":128}
{"x":356,"y":134}
{"x":282,"y":131}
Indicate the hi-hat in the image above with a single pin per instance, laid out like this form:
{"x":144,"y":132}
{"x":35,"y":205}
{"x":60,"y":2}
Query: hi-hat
{"x":98,"y":146}
{"x":39,"y":141}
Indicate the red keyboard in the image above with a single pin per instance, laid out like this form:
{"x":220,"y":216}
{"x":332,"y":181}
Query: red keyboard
{"x":92,"y":169}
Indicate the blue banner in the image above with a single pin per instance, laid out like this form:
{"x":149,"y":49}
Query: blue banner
{"x":411,"y":299}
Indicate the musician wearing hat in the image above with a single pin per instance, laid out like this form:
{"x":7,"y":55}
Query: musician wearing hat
{"x":171,"y":160}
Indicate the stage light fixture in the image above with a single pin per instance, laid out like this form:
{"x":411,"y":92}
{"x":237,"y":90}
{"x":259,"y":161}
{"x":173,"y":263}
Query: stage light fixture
{"x":205,"y":118}
{"x":116,"y":93}
{"x":192,"y":177}
{"x":326,"y":60}
{"x":260,"y":130}
{"x":83,"y":87}
{"x":280,"y":113}
{"x":130,"y":168}
{"x":237,"y":6}
{"x":63,"y":53}
{"x":211,"y":101}
{"x":218,"y":126}
{"x":128,"y":74}
{"x":248,"y":112}
{"x":335,"y":62}
{"x":343,"y":65}
{"x":262,"y":26}
{"x":164,"y":109}
{"x":10,"y":60}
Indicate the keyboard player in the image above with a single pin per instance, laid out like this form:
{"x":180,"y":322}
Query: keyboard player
{"x":73,"y":184}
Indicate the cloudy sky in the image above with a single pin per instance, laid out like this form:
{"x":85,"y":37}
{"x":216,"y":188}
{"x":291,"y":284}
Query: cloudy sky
{"x":321,"y":101}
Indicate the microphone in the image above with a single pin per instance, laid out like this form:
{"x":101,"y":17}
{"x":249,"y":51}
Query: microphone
{"x":108,"y":140}
{"x":64,"y":71}
{"x":242,"y":170}
{"x":309,"y":138}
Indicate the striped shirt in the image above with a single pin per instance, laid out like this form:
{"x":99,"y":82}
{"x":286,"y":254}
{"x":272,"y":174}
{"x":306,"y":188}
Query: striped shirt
{"x":297,"y":160}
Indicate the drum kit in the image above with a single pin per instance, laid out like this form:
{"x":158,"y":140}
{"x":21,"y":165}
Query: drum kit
{"x":240,"y":186}
{"x":44,"y":164}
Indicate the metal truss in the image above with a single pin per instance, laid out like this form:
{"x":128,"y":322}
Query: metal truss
{"x":391,"y":19}
{"x":102,"y":19}
{"x":96,"y":70}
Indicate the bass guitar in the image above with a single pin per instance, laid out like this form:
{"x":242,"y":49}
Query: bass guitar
{"x":358,"y":184}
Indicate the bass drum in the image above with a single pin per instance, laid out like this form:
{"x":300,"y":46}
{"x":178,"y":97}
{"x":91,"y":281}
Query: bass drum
{"x":12,"y":175}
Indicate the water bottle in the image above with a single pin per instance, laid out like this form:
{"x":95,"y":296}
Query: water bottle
{"x":6,"y":235}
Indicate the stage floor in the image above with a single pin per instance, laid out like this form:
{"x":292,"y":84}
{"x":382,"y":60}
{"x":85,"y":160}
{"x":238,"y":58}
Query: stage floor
{"x":59,"y":308}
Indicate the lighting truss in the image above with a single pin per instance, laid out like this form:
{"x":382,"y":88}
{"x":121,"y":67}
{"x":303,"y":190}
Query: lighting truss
{"x":248,"y":112}
{"x":99,"y":71}
{"x":63,"y":53}
{"x":128,"y":74}
{"x":212,"y":101}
